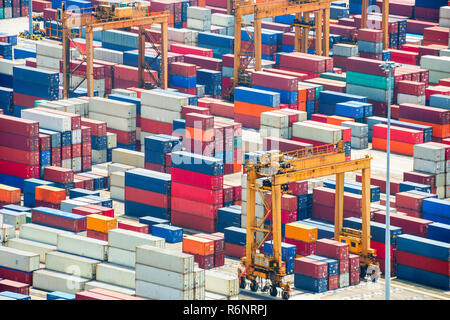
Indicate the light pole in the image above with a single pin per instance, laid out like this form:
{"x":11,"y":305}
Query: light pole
{"x":388,"y":66}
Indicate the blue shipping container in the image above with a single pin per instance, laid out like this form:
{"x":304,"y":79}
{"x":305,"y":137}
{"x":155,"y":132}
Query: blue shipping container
{"x":172,"y":234}
{"x":148,"y":180}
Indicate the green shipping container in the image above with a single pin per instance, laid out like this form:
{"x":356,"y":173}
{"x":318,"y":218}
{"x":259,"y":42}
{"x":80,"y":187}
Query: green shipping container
{"x":333,"y":76}
{"x":369,"y":80}
{"x":28,"y":214}
{"x":2,"y":14}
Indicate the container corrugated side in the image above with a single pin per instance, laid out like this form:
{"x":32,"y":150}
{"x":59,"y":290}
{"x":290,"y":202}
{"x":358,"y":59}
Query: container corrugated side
{"x":128,"y":157}
{"x":32,"y":246}
{"x":112,"y":107}
{"x":48,"y":121}
{"x":103,"y":285}
{"x":35,"y":232}
{"x":163,"y":100}
{"x":158,"y":292}
{"x":121,"y":257}
{"x":115,"y":274}
{"x":199,"y":277}
{"x":71,"y":264}
{"x":165,"y":259}
{"x":129,"y":240}
{"x":317,"y":133}
{"x":166,"y":278}
{"x":83,"y":246}
{"x":56,"y":281}
{"x":19,"y":259}
{"x":221,"y":283}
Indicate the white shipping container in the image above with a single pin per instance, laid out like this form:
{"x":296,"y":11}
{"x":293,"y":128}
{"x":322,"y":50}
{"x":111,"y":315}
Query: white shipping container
{"x":111,"y":140}
{"x":71,"y":264}
{"x":199,"y":293}
{"x":117,"y":179}
{"x":18,"y":259}
{"x":69,"y":106}
{"x":258,"y":220}
{"x":445,"y":52}
{"x":103,"y":285}
{"x":214,"y":296}
{"x":51,"y":105}
{"x":121,"y":257}
{"x":157,"y":292}
{"x":199,"y":277}
{"x":436,"y":75}
{"x":53,"y":49}
{"x":117,"y":193}
{"x":76,"y":136}
{"x":84,"y":105}
{"x":440,"y":192}
{"x":273,"y":119}
{"x":108,"y":55}
{"x":111,"y":107}
{"x":165,"y":259}
{"x":175,"y":280}
{"x":89,"y":201}
{"x":6,"y":66}
{"x":358,"y":129}
{"x":48,"y":63}
{"x":124,"y":92}
{"x":345,"y":50}
{"x":49,"y":121}
{"x":99,"y":156}
{"x":223,"y":20}
{"x":35,"y":232}
{"x":66,"y":164}
{"x":433,"y":167}
{"x":447,"y":179}
{"x":344,"y":280}
{"x":265,"y":131}
{"x":13,"y":218}
{"x":99,"y":84}
{"x":163,"y":100}
{"x":57,"y":281}
{"x":7,"y":232}
{"x":435,"y":63}
{"x":155,"y":113}
{"x":199,"y":13}
{"x":439,"y":180}
{"x":314,"y":132}
{"x":83,"y":246}
{"x":128,"y":157}
{"x":118,"y":167}
{"x":115,"y":274}
{"x":129,"y":240}
{"x":409,"y":98}
{"x":447,"y":191}
{"x":69,"y":204}
{"x":200,"y":25}
{"x":221,"y":283}
{"x":429,"y":152}
{"x":116,"y":123}
{"x":32,"y":246}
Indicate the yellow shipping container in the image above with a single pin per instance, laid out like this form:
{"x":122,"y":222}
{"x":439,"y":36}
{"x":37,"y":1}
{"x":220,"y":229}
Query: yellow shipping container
{"x":300,"y":232}
{"x":100,"y":223}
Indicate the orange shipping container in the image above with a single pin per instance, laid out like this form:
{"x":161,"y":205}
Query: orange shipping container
{"x":196,"y":245}
{"x":251,"y":109}
{"x":50,"y":194}
{"x":300,"y":232}
{"x":302,"y":106}
{"x":200,"y":135}
{"x":396,"y":146}
{"x":9,"y":194}
{"x":100,"y":223}
{"x":302,"y":95}
{"x":439,"y":130}
{"x":337,"y":120}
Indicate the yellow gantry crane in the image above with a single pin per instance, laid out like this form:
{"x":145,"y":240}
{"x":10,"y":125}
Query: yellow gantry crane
{"x":108,"y":17}
{"x":278,"y":170}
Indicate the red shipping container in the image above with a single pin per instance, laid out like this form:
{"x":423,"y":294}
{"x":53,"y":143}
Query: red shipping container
{"x":98,"y":128}
{"x":310,"y":267}
{"x":186,"y":49}
{"x":411,"y":87}
{"x":381,"y":182}
{"x":353,"y":262}
{"x":199,"y":121}
{"x":87,"y":295}
{"x":147,"y":197}
{"x":298,"y":187}
{"x":77,"y":225}
{"x":78,"y":183}
{"x":154,"y":167}
{"x":58,"y":174}
{"x":195,"y":208}
{"x":39,"y":203}
{"x":195,"y":109}
{"x":66,"y":152}
{"x":19,"y":170}
{"x":380,"y":249}
{"x":19,"y":156}
{"x":44,"y":142}
{"x":303,"y":248}
{"x":288,"y":202}
{"x":87,"y":182}
{"x":423,"y":263}
{"x":132,"y":227}
{"x":370,"y":35}
{"x":381,"y":262}
{"x":419,"y":113}
{"x":97,"y":235}
{"x":193,"y":221}
{"x":219,"y":259}
{"x":332,"y":249}
{"x":276,"y":81}
{"x":218,"y":241}
{"x":344,"y":266}
{"x":398,"y":134}
{"x":419,"y":177}
{"x":16,"y":275}
{"x":286,"y":216}
{"x":198,"y":194}
{"x":406,"y":57}
{"x":76,"y":150}
{"x":197,"y":179}
{"x":19,"y":142}
{"x":105,"y":211}
{"x":124,"y":137}
{"x":409,"y":200}
{"x":284,"y":145}
{"x":84,"y":211}
{"x":222,"y":109}
{"x":247,"y":121}
{"x":85,"y":134}
{"x":204,"y":62}
{"x":14,"y":286}
{"x":326,"y":196}
{"x":86,"y":149}
{"x":355,"y":278}
{"x":183,"y":69}
{"x":153,"y":126}
{"x":333,"y":282}
{"x":204,"y":262}
{"x":234,"y":250}
{"x":409,"y":225}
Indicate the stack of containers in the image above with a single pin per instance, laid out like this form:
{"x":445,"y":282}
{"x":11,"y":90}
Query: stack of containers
{"x":286,"y":86}
{"x":231,"y":152}
{"x":45,"y":153}
{"x":31,"y":84}
{"x":304,"y":199}
{"x":354,"y":187}
{"x":250,"y":103}
{"x":19,"y":145}
{"x":61,"y":177}
{"x":323,"y":204}
{"x":271,"y":41}
{"x":164,"y":274}
{"x":289,"y":208}
{"x":126,"y":76}
{"x":436,"y":210}
{"x":9,"y":195}
{"x":303,"y":236}
{"x":50,"y":197}
{"x":259,"y":206}
{"x":202,"y":249}
{"x":423,"y":260}
{"x":431,"y":158}
{"x":218,"y":239}
{"x":365,"y":77}
{"x":199,"y":18}
{"x":29,"y":190}
{"x":219,"y":43}
{"x":311,"y":274}
{"x":360,"y":134}
{"x":228,"y":217}
{"x":411,"y":92}
{"x":288,"y":254}
{"x":152,"y":119}
{"x":78,"y":69}
{"x":409,"y":225}
{"x":235,"y":240}
{"x":438,"y":67}
{"x":49,"y":54}
{"x":310,"y":64}
{"x":98,"y":143}
{"x":341,"y":52}
{"x":183,"y":76}
{"x":18,"y":265}
{"x":120,"y":118}
{"x":212,"y":80}
{"x":370,"y":43}
{"x":199,"y":134}
{"x":329,"y":101}
{"x":225,"y":21}
{"x":197,"y":183}
{"x":339,"y":251}
{"x":158,"y":149}
{"x":402,"y":139}
{"x":147,"y":193}
{"x":98,"y":226}
{"x":7,"y":100}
